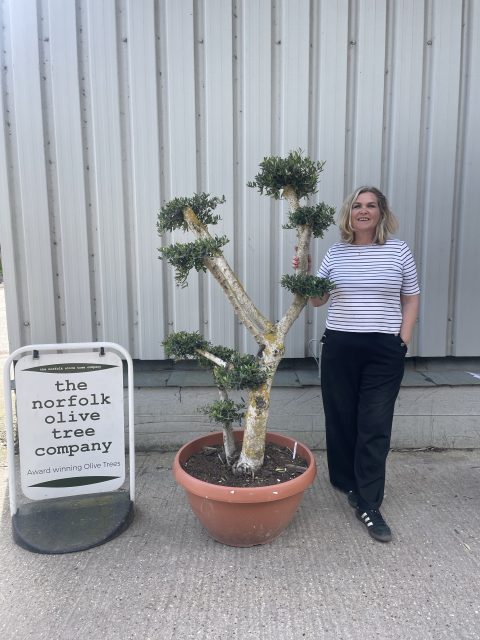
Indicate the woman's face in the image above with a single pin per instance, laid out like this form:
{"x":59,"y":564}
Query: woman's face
{"x":365,"y":214}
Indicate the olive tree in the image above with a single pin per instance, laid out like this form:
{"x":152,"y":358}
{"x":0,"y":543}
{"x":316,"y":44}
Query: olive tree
{"x":292,"y":178}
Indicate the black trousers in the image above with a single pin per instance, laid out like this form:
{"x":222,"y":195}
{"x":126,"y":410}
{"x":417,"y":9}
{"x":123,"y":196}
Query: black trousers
{"x":360,"y":376}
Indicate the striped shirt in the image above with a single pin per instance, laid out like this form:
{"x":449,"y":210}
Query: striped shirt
{"x":368,"y":282}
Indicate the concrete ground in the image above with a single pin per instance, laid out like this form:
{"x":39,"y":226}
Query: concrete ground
{"x":324,"y":578}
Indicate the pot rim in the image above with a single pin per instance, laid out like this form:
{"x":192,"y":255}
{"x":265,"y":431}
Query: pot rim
{"x":268,"y":493}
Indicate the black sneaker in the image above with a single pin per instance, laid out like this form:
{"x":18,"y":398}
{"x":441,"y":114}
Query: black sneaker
{"x":376,"y":525}
{"x":352,"y":498}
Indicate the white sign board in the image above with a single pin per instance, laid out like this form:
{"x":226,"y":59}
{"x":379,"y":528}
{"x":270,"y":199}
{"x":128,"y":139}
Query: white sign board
{"x":70,"y":424}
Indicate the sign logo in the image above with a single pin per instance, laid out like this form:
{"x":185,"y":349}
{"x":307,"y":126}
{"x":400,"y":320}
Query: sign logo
{"x":70,"y":424}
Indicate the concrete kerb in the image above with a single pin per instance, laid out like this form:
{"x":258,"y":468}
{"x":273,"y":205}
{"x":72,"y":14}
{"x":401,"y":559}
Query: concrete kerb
{"x":438,"y":405}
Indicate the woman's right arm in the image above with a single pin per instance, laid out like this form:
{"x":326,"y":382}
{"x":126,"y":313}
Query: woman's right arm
{"x":318,"y":302}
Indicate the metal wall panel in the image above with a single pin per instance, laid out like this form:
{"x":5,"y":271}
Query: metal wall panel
{"x":68,"y":198}
{"x":34,"y":237}
{"x":464,"y":311}
{"x":7,"y":229}
{"x":111,"y":107}
{"x":403,"y":112}
{"x":291,"y":127}
{"x":366,"y":97}
{"x":148,"y":286}
{"x":439,"y":132}
{"x":217,"y":143}
{"x":254,"y":96}
{"x":107,"y":182}
{"x":180,"y":161}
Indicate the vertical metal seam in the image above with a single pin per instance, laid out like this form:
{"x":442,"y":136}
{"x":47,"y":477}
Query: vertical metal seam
{"x":276,"y":145}
{"x":457,"y":214}
{"x":162,"y":121}
{"x":10,"y":255}
{"x":82,"y":70}
{"x":314,"y":56}
{"x":92,"y":169}
{"x":48,"y":135}
{"x":200,"y":80}
{"x":200,"y":98}
{"x":51,"y":176}
{"x":313,"y":126}
{"x":387,"y":129}
{"x":238,"y":158}
{"x":351,"y":93}
{"x":164,"y":151}
{"x":124,"y":108}
{"x":424,"y":156}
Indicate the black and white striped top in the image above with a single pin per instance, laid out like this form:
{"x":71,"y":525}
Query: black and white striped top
{"x":368,"y":282}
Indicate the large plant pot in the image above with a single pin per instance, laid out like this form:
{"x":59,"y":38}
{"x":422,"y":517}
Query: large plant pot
{"x":243,"y":517}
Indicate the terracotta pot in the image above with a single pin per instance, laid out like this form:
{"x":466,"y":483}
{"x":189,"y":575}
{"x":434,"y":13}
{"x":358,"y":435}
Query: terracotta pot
{"x":243,"y":517}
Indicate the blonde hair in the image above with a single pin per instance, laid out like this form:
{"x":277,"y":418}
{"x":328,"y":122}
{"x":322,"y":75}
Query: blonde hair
{"x":387,"y":223}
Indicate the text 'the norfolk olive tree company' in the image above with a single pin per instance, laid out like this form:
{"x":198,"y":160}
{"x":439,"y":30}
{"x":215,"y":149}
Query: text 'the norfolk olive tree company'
{"x":292,"y":178}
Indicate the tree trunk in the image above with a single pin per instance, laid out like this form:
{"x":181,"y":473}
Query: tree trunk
{"x":228,"y":440}
{"x":256,"y":418}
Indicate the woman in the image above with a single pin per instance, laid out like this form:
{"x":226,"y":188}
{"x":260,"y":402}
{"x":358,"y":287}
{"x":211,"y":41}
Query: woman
{"x":370,"y":322}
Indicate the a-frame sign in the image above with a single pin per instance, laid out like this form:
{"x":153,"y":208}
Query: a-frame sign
{"x":71,"y":433}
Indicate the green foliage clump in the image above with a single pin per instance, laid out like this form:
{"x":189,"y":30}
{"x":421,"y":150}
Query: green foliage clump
{"x":318,"y":218}
{"x":243,"y":372}
{"x":191,"y":255}
{"x":224,"y":411}
{"x":182,"y":345}
{"x":306,"y":285}
{"x":171,"y":215}
{"x":296,"y":171}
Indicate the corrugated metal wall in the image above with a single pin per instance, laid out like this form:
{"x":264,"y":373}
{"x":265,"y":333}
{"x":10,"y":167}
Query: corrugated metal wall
{"x":112,"y":107}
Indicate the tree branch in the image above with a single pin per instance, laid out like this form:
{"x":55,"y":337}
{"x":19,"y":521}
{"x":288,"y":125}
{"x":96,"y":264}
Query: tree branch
{"x":228,"y":439}
{"x":209,"y":356}
{"x":249,"y":315}
{"x":304,"y":236}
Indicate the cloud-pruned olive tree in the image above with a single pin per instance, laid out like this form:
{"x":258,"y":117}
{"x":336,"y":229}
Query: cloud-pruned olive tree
{"x":292,"y":178}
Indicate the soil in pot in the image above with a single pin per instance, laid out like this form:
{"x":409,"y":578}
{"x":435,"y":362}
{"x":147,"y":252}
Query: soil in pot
{"x":279,"y":466}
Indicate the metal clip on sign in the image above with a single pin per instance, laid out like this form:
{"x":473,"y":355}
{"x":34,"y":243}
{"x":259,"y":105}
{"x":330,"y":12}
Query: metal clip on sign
{"x":70,"y":419}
